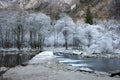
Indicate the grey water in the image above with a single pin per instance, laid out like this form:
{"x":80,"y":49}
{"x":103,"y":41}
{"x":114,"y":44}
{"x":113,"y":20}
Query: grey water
{"x":97,"y":64}
{"x":12,"y":59}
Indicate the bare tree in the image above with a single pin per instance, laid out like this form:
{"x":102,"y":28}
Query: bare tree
{"x":13,"y":38}
{"x":19,"y":30}
{"x":33,"y":38}
{"x":76,"y":43}
{"x":40,"y":41}
{"x":1,"y":37}
{"x":65,"y":33}
{"x":19,"y":35}
{"x":89,"y":37}
{"x":7,"y":39}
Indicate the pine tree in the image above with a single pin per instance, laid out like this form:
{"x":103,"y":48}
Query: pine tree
{"x":89,"y":17}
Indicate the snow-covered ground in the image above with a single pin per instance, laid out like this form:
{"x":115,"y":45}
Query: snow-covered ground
{"x":41,"y":57}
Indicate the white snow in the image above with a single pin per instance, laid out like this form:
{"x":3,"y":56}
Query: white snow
{"x":65,"y":61}
{"x":86,"y":69}
{"x":79,"y":65}
{"x":41,"y":57}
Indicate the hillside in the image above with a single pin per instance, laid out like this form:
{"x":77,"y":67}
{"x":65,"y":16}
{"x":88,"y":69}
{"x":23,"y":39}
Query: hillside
{"x":101,"y":9}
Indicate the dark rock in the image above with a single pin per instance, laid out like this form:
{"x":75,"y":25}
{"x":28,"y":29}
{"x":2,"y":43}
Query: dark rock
{"x":115,"y":73}
{"x":24,"y":63}
{"x":3,"y":70}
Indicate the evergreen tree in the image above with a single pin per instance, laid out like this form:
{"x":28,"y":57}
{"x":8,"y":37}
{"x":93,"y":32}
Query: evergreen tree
{"x":89,"y":17}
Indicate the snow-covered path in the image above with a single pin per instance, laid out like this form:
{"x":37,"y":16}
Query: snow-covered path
{"x":42,"y":57}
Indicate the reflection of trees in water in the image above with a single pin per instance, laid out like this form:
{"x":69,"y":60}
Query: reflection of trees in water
{"x":10,"y":60}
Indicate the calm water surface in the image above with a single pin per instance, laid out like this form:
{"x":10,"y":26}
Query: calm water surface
{"x":12,"y":59}
{"x":98,"y":64}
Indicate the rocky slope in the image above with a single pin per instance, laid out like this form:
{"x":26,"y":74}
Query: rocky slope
{"x":102,"y":9}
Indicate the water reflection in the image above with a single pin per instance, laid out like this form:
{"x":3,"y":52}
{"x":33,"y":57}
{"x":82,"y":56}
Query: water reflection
{"x":11,"y":59}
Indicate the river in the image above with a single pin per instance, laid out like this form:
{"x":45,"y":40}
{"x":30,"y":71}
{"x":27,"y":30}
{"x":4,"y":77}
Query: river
{"x":97,"y":64}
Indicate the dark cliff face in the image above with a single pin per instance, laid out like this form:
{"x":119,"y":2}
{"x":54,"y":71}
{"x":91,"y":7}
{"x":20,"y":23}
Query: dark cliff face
{"x":101,"y":9}
{"x":115,"y":9}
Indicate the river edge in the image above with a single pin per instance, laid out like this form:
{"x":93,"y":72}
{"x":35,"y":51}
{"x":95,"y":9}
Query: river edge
{"x":13,"y":58}
{"x":51,"y":69}
{"x":85,"y":55}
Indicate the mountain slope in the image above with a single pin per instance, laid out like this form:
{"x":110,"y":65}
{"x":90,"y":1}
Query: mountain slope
{"x":102,"y":9}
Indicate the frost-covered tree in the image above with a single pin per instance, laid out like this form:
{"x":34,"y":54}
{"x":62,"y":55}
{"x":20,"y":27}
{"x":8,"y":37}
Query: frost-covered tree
{"x":64,"y":29}
{"x":1,"y":37}
{"x":40,"y":26}
{"x":19,"y":35}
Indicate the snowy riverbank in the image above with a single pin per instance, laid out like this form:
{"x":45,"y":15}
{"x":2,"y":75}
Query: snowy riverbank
{"x":44,"y":67}
{"x":85,"y":54}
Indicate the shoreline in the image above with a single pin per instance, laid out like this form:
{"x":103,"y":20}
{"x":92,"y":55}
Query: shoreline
{"x":86,"y":55}
{"x":50,"y":69}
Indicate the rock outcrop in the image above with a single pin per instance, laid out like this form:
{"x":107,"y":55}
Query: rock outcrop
{"x":102,"y":9}
{"x":4,"y":4}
